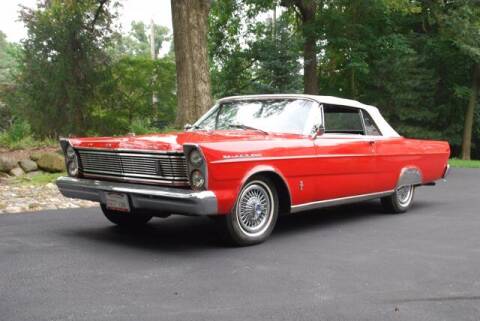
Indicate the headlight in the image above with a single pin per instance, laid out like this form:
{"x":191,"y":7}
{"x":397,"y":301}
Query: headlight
{"x":72,"y":167}
{"x":195,"y":158}
{"x":72,"y":161}
{"x":197,"y":179}
{"x":70,"y":152}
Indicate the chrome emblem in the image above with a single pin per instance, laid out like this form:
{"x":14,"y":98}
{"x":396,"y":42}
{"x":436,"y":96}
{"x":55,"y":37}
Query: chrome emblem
{"x":241,"y":156}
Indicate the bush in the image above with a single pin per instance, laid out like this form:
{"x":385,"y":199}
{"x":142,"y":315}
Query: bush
{"x":19,"y":136}
{"x":142,"y":127}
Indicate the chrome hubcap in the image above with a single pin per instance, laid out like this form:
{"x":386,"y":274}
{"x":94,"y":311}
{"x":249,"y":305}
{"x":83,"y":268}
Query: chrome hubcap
{"x":254,"y":210}
{"x":404,"y":195}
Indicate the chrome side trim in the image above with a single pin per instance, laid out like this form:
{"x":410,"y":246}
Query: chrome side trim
{"x":268,"y":158}
{"x":409,"y":176}
{"x":338,"y":201}
{"x":154,"y":198}
{"x":272,"y":158}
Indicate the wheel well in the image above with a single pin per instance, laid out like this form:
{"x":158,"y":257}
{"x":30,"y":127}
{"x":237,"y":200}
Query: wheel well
{"x":409,"y":176}
{"x":282,"y":190}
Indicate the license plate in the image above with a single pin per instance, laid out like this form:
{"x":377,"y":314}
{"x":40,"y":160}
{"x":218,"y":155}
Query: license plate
{"x":117,"y":202}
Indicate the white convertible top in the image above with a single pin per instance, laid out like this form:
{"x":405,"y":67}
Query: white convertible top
{"x":382,"y":124}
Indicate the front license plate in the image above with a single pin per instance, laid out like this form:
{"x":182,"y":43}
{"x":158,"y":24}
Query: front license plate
{"x":117,"y":202}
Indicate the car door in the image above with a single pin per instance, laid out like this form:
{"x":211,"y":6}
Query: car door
{"x":345,"y":155}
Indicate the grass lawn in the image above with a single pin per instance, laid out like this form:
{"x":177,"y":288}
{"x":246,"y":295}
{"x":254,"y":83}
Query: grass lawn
{"x":40,"y":179}
{"x":454,"y":162}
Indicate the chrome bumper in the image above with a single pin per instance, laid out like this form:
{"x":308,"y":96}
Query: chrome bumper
{"x":153,"y":198}
{"x":446,"y":171}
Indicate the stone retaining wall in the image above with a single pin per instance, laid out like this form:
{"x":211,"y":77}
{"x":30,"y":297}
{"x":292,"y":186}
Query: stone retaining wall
{"x":51,"y":162}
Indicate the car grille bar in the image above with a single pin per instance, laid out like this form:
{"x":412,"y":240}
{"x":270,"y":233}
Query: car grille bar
{"x":168,"y":167}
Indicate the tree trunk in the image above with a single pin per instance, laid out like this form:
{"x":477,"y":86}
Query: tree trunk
{"x":307,"y":10}
{"x":469,"y":114}
{"x":190,"y":27}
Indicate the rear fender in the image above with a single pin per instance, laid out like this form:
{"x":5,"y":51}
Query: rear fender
{"x":409,"y":176}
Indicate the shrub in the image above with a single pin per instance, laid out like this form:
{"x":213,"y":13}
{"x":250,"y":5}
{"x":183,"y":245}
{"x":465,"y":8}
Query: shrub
{"x":19,"y":136}
{"x":141,"y":127}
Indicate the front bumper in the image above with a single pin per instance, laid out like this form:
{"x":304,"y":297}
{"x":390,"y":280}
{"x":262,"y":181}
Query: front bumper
{"x":144,"y":197}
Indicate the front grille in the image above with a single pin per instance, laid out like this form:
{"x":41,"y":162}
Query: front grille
{"x":169,"y":168}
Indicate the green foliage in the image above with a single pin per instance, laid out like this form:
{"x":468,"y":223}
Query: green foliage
{"x":9,"y":53}
{"x":19,"y":135}
{"x":249,"y":55}
{"x":63,"y":62}
{"x":19,"y":130}
{"x":127,"y":95}
{"x":79,"y":76}
{"x":75,"y":74}
{"x":137,"y":41}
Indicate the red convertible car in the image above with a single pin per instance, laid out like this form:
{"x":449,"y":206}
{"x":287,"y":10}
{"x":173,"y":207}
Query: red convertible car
{"x":251,"y":158}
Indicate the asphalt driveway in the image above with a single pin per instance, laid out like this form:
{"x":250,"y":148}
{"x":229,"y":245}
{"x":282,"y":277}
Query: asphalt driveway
{"x":347,"y":263}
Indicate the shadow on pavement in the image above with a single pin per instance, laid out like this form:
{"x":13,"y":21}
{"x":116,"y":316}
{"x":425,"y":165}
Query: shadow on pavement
{"x":178,"y":233}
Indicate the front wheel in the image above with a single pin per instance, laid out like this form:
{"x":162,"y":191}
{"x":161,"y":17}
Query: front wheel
{"x":130,"y":219}
{"x":400,"y":201}
{"x":255,"y":213}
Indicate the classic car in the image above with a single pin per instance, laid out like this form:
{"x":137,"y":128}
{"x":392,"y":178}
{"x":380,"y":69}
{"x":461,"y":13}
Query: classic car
{"x":251,"y":158}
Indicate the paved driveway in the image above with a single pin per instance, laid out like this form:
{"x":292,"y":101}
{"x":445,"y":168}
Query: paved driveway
{"x":347,"y":263}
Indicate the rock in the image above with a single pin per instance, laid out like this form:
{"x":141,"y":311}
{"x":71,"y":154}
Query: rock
{"x":34,"y":173}
{"x":7,"y":163}
{"x":51,"y":162}
{"x":28,"y":165}
{"x":51,"y":185}
{"x":4,"y":175}
{"x":35,"y":156}
{"x":17,"y":171}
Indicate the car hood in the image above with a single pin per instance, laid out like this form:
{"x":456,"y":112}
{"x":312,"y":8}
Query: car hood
{"x":171,"y":141}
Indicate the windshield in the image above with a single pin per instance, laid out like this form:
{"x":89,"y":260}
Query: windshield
{"x":296,"y":116}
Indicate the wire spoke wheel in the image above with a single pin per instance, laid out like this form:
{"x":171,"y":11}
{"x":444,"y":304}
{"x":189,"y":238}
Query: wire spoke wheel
{"x":254,"y":210}
{"x":404,"y":195}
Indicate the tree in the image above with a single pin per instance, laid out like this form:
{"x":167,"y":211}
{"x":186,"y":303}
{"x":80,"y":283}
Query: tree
{"x":250,"y":55}
{"x":123,"y":98}
{"x":64,"y":57}
{"x":190,"y":27}
{"x":307,"y":12}
{"x":9,"y":52}
{"x":463,"y":25}
{"x":137,"y":41}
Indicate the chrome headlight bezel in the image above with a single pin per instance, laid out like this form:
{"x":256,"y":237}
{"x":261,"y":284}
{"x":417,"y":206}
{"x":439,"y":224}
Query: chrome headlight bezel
{"x":72,"y":163}
{"x":72,"y":167}
{"x":195,"y":158}
{"x":196,"y":164}
{"x":197,"y":179}
{"x":70,"y":152}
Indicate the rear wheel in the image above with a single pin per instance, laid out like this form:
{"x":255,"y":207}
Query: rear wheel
{"x":124,"y":219}
{"x":400,"y":201}
{"x":255,"y":213}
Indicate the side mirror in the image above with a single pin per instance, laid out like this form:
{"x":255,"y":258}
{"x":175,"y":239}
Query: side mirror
{"x":318,"y":130}
{"x":187,"y":127}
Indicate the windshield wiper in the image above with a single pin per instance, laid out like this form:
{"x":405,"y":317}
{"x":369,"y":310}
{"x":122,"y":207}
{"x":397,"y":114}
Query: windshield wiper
{"x":243,"y":126}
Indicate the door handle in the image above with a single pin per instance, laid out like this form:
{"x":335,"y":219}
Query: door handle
{"x":371,"y":142}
